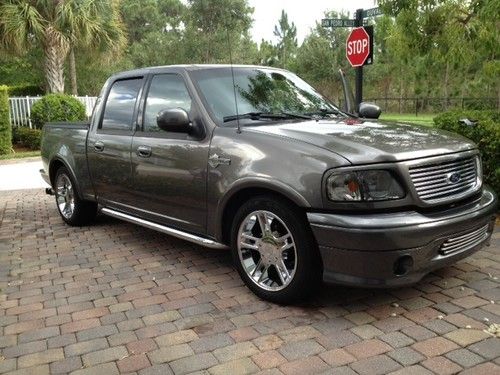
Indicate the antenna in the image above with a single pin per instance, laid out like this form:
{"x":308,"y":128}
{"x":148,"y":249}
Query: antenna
{"x":232,"y":76}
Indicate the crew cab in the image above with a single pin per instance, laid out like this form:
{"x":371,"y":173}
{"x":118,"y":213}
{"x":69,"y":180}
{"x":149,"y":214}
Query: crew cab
{"x":254,"y":159}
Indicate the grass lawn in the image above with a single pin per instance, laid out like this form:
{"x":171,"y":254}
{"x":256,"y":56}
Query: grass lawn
{"x":19,"y":153}
{"x":423,"y":119}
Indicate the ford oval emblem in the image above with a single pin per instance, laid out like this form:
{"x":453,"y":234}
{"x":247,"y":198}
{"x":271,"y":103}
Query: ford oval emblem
{"x":454,"y":178}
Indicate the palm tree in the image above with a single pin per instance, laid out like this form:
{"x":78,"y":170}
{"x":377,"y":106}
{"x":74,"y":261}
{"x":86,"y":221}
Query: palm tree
{"x":57,"y":26}
{"x":103,"y":34}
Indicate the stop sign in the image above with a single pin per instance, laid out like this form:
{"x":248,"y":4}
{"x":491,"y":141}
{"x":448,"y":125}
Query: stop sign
{"x":357,"y":47}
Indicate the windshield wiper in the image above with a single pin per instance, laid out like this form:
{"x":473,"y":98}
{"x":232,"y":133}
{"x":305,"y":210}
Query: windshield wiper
{"x":323,"y":112}
{"x":266,"y":116}
{"x":304,"y":116}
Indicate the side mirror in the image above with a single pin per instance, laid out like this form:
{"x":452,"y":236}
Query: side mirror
{"x":369,"y":110}
{"x":174,"y":120}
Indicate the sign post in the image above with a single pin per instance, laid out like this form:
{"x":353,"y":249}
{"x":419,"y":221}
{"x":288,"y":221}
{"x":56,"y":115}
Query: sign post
{"x":359,"y":69}
{"x":359,"y":44}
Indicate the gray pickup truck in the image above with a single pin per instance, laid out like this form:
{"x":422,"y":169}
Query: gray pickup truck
{"x":254,"y":159}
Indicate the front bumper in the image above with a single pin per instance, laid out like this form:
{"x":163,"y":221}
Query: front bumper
{"x":368,"y":249}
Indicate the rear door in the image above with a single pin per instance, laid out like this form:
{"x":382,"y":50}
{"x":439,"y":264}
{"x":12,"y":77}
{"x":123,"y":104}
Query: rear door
{"x":169,"y":169}
{"x":108,"y":147}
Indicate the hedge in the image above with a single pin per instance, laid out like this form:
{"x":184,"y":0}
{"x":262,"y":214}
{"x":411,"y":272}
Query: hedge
{"x":5,"y":127}
{"x":56,"y":107}
{"x":25,"y":90}
{"x":485,"y":133}
{"x":26,"y":137}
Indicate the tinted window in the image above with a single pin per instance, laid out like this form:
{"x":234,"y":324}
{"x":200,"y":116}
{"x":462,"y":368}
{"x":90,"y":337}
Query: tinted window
{"x":166,"y":91}
{"x":257,"y":90}
{"x":119,"y":110}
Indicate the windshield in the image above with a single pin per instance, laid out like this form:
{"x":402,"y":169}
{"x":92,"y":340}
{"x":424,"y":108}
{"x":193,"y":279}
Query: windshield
{"x":258,"y":90}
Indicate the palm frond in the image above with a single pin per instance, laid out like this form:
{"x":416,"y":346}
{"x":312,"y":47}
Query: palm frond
{"x":20,"y":25}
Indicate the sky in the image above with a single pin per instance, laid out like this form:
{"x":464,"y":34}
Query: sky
{"x":303,"y":13}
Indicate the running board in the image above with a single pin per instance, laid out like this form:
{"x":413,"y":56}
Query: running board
{"x":164,"y":229}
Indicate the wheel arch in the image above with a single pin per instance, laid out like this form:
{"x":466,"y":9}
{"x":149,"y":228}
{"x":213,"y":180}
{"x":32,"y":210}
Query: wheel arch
{"x":235,"y":197}
{"x":54,"y":166}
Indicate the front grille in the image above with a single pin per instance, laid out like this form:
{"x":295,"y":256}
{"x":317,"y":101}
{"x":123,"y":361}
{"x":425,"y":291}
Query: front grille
{"x":463,"y":242}
{"x":445,"y":179}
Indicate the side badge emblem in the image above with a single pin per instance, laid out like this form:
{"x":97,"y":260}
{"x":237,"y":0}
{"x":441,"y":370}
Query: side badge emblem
{"x":215,"y":160}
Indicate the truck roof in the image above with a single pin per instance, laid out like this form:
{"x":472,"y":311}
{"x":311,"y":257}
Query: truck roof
{"x":187,"y":67}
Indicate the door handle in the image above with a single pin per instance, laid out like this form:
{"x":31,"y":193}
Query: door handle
{"x":99,"y":146}
{"x":144,"y":151}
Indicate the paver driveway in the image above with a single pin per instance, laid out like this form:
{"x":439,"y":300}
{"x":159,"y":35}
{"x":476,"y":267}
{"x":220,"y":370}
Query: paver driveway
{"x":115,"y":297}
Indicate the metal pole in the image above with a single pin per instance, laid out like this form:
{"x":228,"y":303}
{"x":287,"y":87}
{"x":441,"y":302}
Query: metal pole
{"x":359,"y":69}
{"x":28,"y":105}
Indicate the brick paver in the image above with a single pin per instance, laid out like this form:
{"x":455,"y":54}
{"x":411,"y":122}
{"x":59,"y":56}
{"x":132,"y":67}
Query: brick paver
{"x":116,"y":298}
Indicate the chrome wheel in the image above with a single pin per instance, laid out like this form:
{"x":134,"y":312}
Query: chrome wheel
{"x":65,"y":196}
{"x":267,"y":251}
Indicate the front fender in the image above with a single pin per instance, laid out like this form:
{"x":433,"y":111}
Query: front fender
{"x":288,"y":167}
{"x":254,"y":185}
{"x":264,"y":183}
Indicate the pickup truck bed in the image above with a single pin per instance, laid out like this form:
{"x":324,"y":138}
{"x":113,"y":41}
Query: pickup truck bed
{"x":68,"y":141}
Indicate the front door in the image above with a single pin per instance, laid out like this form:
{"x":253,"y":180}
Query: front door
{"x":169,"y":169}
{"x":108,"y":147}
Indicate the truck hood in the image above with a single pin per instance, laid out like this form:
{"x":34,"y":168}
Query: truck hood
{"x":365,"y":142}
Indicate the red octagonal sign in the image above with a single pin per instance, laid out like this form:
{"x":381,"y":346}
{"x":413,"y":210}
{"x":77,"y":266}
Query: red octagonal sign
{"x":357,"y":47}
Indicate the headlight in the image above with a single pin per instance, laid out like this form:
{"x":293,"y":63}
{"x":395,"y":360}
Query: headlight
{"x":369,"y":185}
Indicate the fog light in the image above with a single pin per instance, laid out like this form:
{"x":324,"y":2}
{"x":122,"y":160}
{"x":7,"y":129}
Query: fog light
{"x":403,"y":265}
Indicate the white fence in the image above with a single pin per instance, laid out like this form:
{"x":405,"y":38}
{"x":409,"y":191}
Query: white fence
{"x":20,"y":108}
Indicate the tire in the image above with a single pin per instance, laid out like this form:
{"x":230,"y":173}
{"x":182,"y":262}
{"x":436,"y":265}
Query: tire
{"x":287,"y":243}
{"x":73,"y":210}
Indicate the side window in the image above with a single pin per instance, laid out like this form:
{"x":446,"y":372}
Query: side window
{"x":120,"y":105}
{"x":166,"y":91}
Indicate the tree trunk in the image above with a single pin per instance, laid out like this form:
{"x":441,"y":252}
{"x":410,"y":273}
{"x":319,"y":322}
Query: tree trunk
{"x":72,"y":71}
{"x":400,"y":86}
{"x":498,"y":100}
{"x":446,"y":83}
{"x":55,"y":54}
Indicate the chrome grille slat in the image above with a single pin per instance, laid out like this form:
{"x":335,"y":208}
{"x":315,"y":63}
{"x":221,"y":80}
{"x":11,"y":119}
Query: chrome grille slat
{"x":464,"y":241}
{"x":438,"y":172}
{"x":431,"y":181}
{"x":463,"y":236}
{"x":436,"y":189}
{"x":461,"y":245}
{"x":470,"y":177}
{"x":420,"y":180}
{"x":444,"y":193}
{"x":445,"y":185}
{"x":441,"y":165}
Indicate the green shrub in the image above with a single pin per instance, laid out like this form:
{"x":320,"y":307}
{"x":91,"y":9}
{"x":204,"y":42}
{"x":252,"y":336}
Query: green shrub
{"x":56,"y":107}
{"x":26,"y":137}
{"x":480,"y":104}
{"x":5,"y":127}
{"x":25,"y":90}
{"x":486,"y":134}
{"x":15,"y":135}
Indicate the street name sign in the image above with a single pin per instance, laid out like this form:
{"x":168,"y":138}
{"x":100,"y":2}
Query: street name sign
{"x":372,"y":12}
{"x":337,"y":22}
